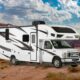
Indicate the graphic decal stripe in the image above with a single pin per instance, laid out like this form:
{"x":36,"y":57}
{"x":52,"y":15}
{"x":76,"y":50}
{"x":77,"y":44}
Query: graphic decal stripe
{"x":23,"y":48}
{"x":19,"y":28}
{"x":47,"y":51}
{"x":25,"y":45}
{"x":42,"y":31}
{"x":3,"y":35}
{"x":13,"y":40}
{"x":11,"y":34}
{"x":5,"y":55}
{"x":5,"y":48}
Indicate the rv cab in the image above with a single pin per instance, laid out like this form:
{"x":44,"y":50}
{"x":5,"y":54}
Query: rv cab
{"x":58,"y":42}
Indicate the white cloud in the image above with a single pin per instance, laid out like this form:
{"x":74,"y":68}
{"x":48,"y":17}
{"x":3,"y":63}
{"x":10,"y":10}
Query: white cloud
{"x":2,"y":20}
{"x":16,"y":20}
{"x":23,"y":11}
{"x":1,"y":1}
{"x":71,"y":6}
{"x":11,"y":3}
{"x":77,"y":27}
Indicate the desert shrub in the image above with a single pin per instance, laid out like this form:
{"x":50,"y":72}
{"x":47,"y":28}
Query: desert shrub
{"x":73,"y":69}
{"x":55,"y":76}
{"x":3,"y":64}
{"x":61,"y":76}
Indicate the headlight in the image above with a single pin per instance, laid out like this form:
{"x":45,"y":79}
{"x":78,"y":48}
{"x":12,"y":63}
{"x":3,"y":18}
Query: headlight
{"x":77,"y":36}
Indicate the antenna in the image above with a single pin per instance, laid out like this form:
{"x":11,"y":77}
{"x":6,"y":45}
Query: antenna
{"x":35,"y":23}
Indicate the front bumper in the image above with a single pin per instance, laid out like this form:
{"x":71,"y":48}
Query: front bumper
{"x":69,"y":61}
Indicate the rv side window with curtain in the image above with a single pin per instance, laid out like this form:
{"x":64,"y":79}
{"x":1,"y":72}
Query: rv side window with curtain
{"x":33,"y":38}
{"x":7,"y":34}
{"x":26,"y":38}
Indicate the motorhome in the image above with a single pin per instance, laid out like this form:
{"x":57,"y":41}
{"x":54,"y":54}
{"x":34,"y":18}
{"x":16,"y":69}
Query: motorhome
{"x":39,"y":43}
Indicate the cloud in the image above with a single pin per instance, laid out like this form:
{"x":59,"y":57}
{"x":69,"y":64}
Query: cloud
{"x":2,"y":18}
{"x":10,"y":3}
{"x":71,"y":6}
{"x":24,"y":11}
{"x":77,"y":27}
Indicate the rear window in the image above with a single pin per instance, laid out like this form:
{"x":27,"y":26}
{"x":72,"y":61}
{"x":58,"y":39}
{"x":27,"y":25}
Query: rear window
{"x":63,"y":30}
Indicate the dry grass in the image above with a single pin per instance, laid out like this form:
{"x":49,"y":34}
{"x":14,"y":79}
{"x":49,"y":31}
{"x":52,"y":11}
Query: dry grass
{"x":3,"y":64}
{"x":61,"y":76}
{"x":55,"y":76}
{"x":73,"y":74}
{"x":73,"y":69}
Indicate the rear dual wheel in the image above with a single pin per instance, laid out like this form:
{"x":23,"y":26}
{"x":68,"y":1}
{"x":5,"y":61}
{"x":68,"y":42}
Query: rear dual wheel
{"x":13,"y":60}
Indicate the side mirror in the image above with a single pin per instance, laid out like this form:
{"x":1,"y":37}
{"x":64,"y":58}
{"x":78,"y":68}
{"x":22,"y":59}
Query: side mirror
{"x":7,"y":34}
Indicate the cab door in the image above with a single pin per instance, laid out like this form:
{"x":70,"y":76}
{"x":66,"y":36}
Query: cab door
{"x":48,"y":51}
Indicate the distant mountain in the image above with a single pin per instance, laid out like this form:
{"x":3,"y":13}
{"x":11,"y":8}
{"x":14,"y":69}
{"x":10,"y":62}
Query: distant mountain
{"x":2,"y":24}
{"x":5,"y":25}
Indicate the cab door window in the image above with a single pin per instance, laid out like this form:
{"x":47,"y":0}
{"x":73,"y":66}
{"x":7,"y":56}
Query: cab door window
{"x":47,"y":45}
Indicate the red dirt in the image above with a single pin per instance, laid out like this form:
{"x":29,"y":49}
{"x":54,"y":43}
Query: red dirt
{"x":27,"y":72}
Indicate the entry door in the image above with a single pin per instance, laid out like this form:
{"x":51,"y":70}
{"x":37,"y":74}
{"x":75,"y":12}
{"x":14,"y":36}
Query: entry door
{"x":40,"y":50}
{"x":46,"y":57}
{"x":33,"y":44}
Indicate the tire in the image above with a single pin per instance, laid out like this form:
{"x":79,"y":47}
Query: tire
{"x":13,"y":60}
{"x":74,"y":65}
{"x":57,"y":62}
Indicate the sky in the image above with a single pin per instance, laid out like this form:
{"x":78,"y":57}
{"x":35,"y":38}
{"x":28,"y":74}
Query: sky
{"x":23,"y":12}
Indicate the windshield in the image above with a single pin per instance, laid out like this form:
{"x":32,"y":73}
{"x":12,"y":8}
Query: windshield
{"x":61,"y":44}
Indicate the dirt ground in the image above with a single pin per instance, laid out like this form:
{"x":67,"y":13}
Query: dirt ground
{"x":27,"y":71}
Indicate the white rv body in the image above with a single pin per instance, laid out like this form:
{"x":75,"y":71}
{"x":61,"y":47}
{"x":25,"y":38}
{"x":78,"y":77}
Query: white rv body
{"x":28,"y":44}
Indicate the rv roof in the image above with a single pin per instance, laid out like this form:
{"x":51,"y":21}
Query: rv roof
{"x":15,"y":26}
{"x":60,"y":25}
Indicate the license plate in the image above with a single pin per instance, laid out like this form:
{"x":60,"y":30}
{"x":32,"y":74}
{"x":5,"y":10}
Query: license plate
{"x":75,"y":59}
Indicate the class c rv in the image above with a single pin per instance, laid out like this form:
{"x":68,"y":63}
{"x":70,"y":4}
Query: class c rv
{"x":39,"y":43}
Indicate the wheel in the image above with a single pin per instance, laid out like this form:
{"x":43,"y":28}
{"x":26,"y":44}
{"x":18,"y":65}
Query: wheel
{"x":57,"y":62}
{"x":13,"y":60}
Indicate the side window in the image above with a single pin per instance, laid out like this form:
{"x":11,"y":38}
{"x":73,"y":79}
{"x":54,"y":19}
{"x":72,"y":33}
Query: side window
{"x":7,"y":34}
{"x":47,"y":45}
{"x":26,"y":38}
{"x":33,"y":39}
